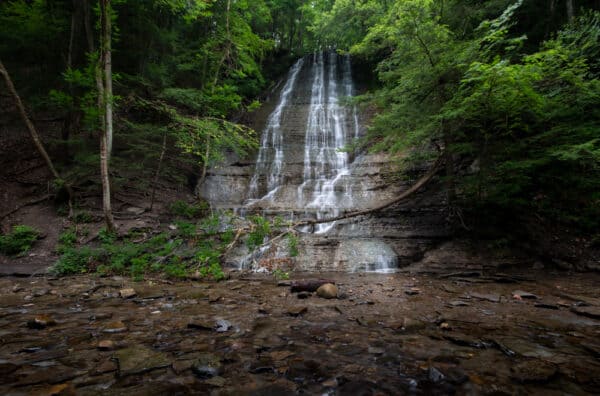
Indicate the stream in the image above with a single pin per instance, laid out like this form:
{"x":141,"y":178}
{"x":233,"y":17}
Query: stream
{"x":463,"y":333}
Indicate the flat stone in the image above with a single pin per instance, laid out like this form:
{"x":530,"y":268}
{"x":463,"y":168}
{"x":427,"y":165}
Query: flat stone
{"x":412,"y":291}
{"x":218,"y":382}
{"x":533,"y":371}
{"x":297,"y":310}
{"x":139,"y":359}
{"x":207,"y":365}
{"x":107,"y":366}
{"x":545,"y":306}
{"x":590,"y":312}
{"x":458,"y":303}
{"x":115,"y":327}
{"x":487,"y":297}
{"x":520,"y":294}
{"x":281,"y":355}
{"x":106,"y":345}
{"x":41,"y":322}
{"x":127,"y":293}
{"x":327,"y":290}
{"x":179,"y":366}
{"x":201,"y":324}
{"x":303,"y":295}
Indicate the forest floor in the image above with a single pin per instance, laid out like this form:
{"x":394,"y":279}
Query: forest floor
{"x":463,"y":333}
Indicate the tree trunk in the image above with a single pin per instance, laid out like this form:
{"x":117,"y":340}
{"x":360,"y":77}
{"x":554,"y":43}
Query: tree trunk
{"x":570,"y":10}
{"x":104,"y":100}
{"x":34,"y":135}
{"x":157,"y":174}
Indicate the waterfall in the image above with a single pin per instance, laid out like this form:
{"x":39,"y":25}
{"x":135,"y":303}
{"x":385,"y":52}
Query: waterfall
{"x":272,"y":140}
{"x":330,"y":126}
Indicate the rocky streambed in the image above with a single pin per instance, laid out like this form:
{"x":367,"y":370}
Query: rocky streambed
{"x":462,"y":333}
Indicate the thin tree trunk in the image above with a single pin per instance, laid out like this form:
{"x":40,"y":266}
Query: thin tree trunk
{"x":108,"y":88}
{"x":34,"y":135}
{"x":227,"y":51}
{"x":570,"y":10}
{"x":89,"y":34}
{"x":156,"y":175}
{"x":104,"y":87}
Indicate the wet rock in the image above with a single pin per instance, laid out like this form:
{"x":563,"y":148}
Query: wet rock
{"x":412,"y":291}
{"x":40,"y":292}
{"x":7,"y":367}
{"x":201,"y":324}
{"x":533,"y":371}
{"x":207,"y":365}
{"x":297,"y":310}
{"x":304,"y":295}
{"x":41,"y":322}
{"x":284,"y":283}
{"x":375,"y":350}
{"x":435,"y":375}
{"x":445,"y":326}
{"x":590,"y":312}
{"x":107,"y":366}
{"x":327,"y":290}
{"x":455,"y":375}
{"x":100,"y":316}
{"x":139,"y":359}
{"x":115,"y":327}
{"x":487,"y":297}
{"x":520,"y":294}
{"x":218,"y":382}
{"x":281,"y":355}
{"x":222,"y":326}
{"x":179,"y":366}
{"x":127,"y":293}
{"x":106,"y":345}
{"x":545,"y":306}
{"x":330,"y":383}
{"x":57,"y":390}
{"x":458,"y":303}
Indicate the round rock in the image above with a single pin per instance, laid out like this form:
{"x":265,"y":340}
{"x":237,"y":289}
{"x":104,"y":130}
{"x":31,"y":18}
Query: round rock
{"x":327,"y":290}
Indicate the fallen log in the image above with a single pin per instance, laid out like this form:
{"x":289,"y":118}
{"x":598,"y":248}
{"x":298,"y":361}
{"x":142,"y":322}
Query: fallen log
{"x":309,"y":285}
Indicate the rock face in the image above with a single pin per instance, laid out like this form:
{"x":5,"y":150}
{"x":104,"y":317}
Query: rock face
{"x":300,"y":173}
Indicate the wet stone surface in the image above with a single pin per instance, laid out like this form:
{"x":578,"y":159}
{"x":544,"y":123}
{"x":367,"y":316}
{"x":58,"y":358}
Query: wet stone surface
{"x":455,"y":335}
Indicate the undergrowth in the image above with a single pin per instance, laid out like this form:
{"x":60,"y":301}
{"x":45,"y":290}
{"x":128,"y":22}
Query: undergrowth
{"x":18,"y":241}
{"x":179,"y":253}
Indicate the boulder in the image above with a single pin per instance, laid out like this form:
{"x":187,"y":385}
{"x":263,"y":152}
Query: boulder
{"x":327,"y":290}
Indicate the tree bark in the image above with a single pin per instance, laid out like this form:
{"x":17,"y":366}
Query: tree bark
{"x":104,"y":99}
{"x":34,"y":135}
{"x":570,"y":10}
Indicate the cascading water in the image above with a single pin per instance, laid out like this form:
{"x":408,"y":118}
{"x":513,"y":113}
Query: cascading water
{"x":272,"y":142}
{"x":302,"y":169}
{"x":330,"y":126}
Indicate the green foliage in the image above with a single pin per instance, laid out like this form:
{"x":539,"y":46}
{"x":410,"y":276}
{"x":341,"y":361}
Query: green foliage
{"x":280,"y":274}
{"x":83,"y":217}
{"x":18,"y":241}
{"x":292,"y":244}
{"x":261,"y":228}
{"x":186,"y":229}
{"x":190,"y":211}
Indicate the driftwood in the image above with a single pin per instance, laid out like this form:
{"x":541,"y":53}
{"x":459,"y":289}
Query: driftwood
{"x":309,"y":285}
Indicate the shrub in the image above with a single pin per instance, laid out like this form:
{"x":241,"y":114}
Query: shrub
{"x":18,"y":241}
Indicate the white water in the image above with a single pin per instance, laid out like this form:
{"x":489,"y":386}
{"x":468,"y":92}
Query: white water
{"x":325,"y":165}
{"x":272,"y":140}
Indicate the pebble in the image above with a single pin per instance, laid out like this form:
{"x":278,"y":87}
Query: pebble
{"x":41,"y":322}
{"x":127,"y":293}
{"x":106,"y":345}
{"x":296,"y":311}
{"x":115,"y":327}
